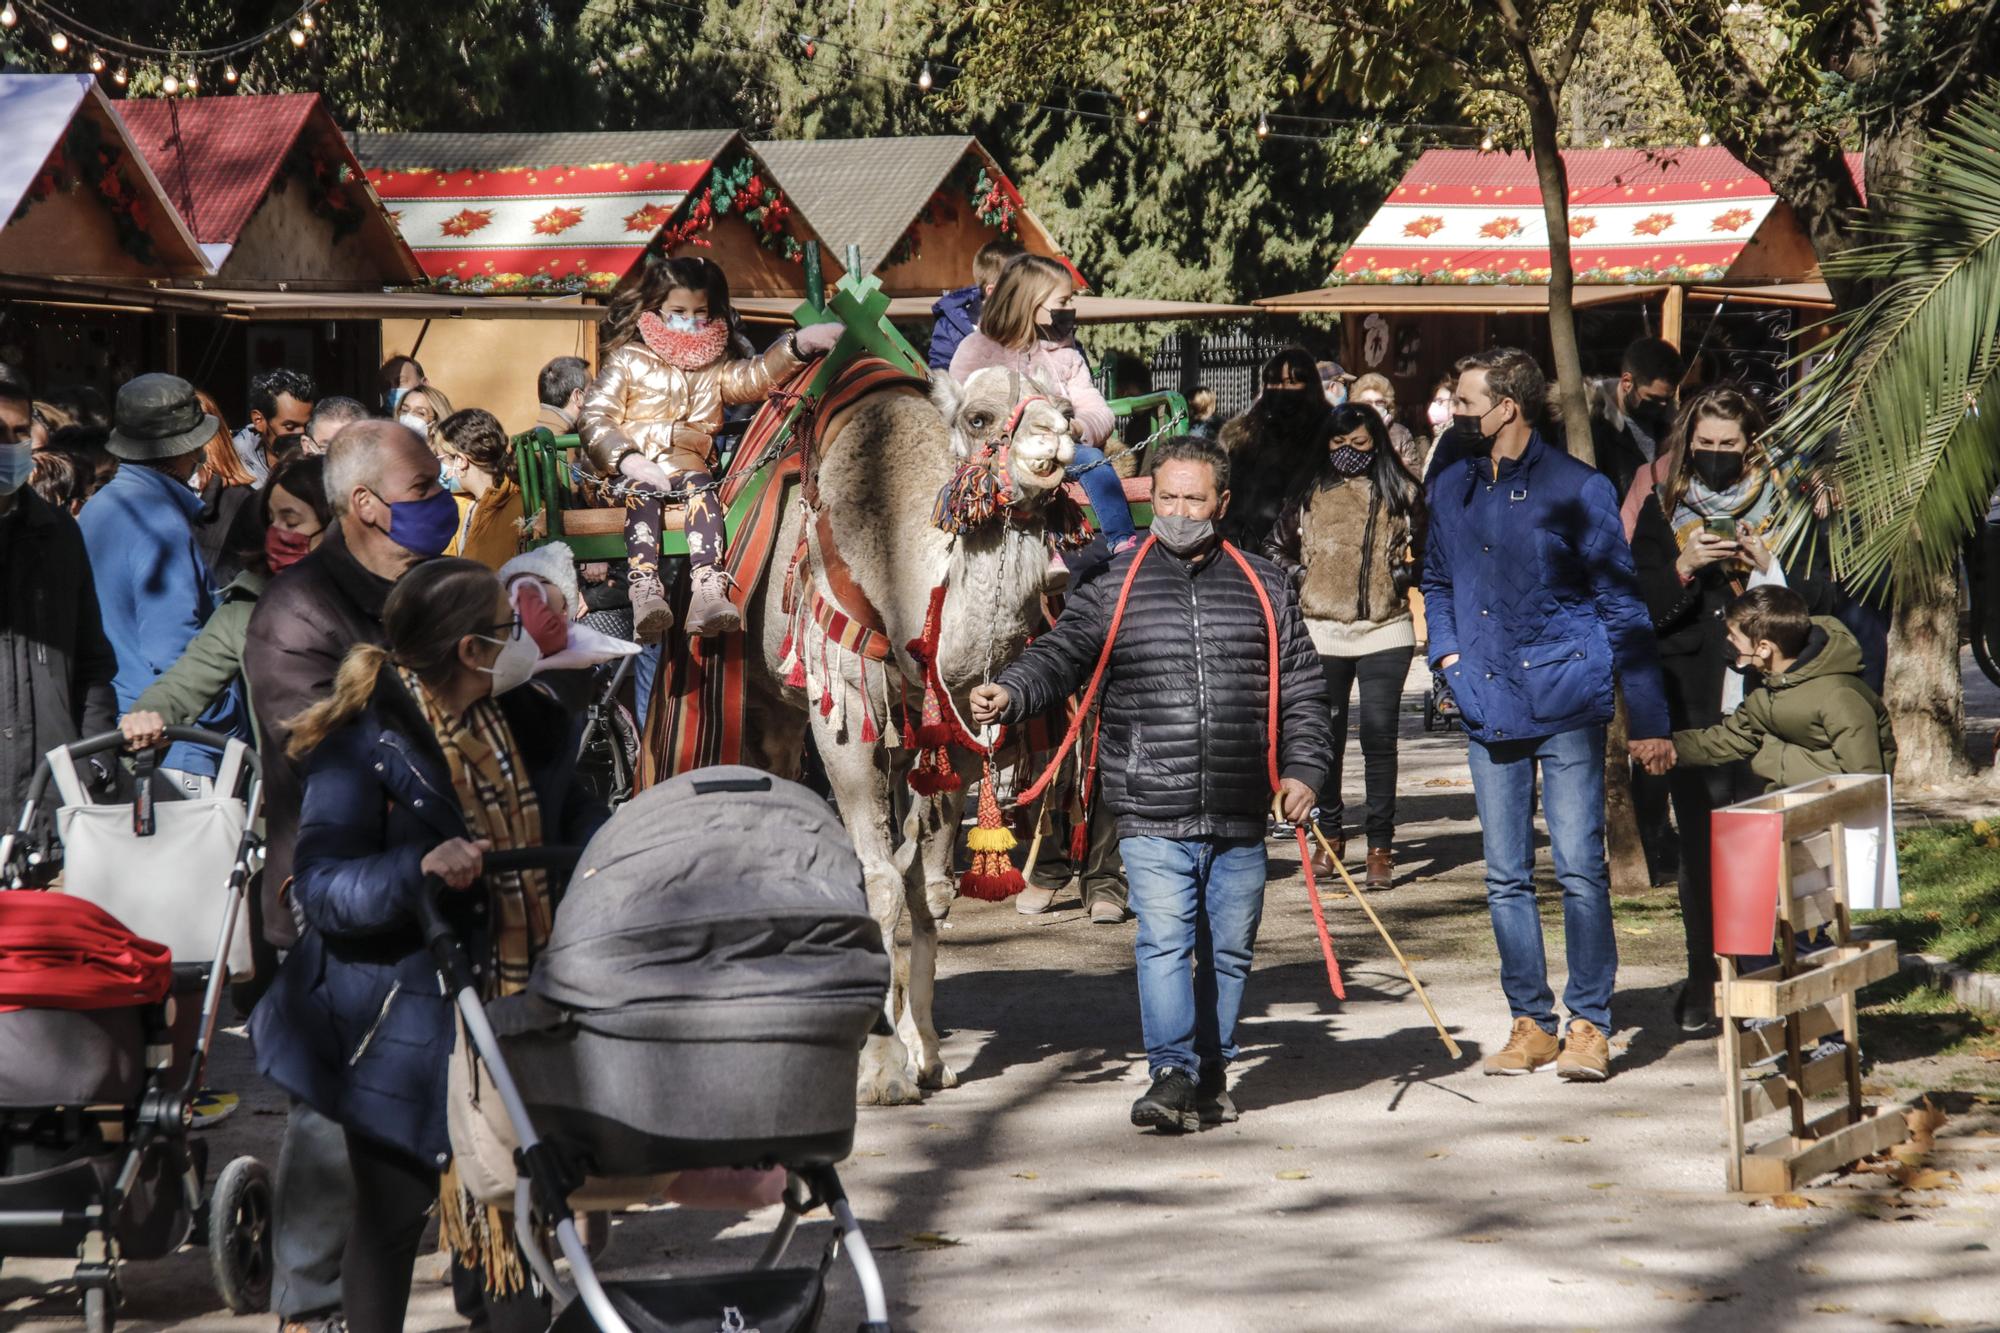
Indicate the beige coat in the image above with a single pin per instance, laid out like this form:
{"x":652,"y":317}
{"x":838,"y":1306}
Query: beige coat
{"x":638,"y":399}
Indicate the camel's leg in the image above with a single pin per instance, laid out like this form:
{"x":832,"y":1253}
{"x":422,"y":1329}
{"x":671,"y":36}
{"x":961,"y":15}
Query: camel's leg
{"x":931,"y":831}
{"x":860,"y":786}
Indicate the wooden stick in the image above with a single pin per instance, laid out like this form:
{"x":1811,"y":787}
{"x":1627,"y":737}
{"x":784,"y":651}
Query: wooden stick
{"x":1035,"y":846}
{"x":1418,"y":986}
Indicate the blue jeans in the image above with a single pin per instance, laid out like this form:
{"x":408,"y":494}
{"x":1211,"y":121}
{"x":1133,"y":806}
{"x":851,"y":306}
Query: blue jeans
{"x":1106,"y":490}
{"x":1198,"y":901}
{"x":1503,"y":783}
{"x":644,"y":670}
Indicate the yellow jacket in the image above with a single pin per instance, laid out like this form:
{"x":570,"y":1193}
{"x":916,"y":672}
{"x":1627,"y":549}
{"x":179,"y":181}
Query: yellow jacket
{"x":638,"y":399}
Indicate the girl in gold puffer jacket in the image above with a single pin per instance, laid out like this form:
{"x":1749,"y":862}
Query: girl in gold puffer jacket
{"x":652,"y":415}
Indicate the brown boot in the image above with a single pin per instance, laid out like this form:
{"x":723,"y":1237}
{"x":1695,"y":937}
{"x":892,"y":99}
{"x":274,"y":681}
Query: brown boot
{"x":710,"y":612}
{"x":1323,"y":868}
{"x":1381,"y":869}
{"x":1528,"y":1048}
{"x":651,"y":616}
{"x":1586,"y":1055}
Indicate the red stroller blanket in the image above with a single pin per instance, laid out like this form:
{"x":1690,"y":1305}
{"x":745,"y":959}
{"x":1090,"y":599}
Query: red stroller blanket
{"x":59,"y":952}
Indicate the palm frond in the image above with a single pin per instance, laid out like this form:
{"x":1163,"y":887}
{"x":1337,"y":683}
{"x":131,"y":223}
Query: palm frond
{"x":1903,"y":399}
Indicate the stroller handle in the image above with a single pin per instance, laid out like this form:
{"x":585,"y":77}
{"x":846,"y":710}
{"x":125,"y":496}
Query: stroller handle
{"x":443,"y":941}
{"x":115,"y":740}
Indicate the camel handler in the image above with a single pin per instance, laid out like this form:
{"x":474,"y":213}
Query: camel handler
{"x":1183,"y":756}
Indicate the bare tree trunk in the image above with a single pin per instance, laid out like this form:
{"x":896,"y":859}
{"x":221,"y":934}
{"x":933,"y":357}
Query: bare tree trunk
{"x":1624,"y":849}
{"x":1924,"y":692}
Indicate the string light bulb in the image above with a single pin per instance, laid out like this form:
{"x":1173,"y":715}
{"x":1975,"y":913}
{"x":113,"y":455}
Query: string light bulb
{"x":8,"y":16}
{"x":1363,"y":138}
{"x":120,"y":77}
{"x":1486,"y":144}
{"x":191,"y":83}
{"x":59,"y":42}
{"x":306,"y":21}
{"x":170,"y":85}
{"x":229,"y":73}
{"x":924,"y":79}
{"x":1263,"y":126}
{"x":96,"y":62}
{"x":298,"y":37}
{"x":1705,"y":139}
{"x":1145,"y":114}
{"x":1606,"y":142}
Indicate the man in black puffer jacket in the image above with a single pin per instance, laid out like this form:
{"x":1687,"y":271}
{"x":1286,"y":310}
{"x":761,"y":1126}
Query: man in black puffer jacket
{"x":1185,"y":761}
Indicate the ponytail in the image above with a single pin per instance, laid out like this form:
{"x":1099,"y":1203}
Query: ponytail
{"x":352,"y":689}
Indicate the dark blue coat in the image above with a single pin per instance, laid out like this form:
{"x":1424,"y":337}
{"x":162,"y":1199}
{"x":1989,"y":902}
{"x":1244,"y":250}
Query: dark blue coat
{"x":358,"y":1023}
{"x":1528,"y":578}
{"x":956,"y":315}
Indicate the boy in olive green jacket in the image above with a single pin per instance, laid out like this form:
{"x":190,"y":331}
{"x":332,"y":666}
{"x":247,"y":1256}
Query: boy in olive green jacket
{"x":1813,"y":717}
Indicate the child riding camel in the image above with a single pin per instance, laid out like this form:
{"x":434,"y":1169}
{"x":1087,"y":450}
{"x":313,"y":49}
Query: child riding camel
{"x":653,"y":413}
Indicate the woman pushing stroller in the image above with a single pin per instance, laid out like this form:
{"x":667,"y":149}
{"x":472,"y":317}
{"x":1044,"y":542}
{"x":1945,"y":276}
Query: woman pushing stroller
{"x":428,"y":755}
{"x":652,"y":414}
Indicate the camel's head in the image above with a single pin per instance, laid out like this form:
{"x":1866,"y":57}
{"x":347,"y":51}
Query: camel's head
{"x":1003,"y":414}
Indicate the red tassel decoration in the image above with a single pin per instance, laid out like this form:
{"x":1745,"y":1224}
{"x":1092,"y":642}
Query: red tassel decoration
{"x":993,"y":876}
{"x":1079,"y":842}
{"x":932,"y":729}
{"x":868,"y":733}
{"x":826,"y":688}
{"x":933,"y":773}
{"x":795,"y":671}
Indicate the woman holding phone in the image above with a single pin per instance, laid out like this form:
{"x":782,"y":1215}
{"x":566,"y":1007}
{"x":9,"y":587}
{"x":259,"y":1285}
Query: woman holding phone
{"x":1702,"y":519}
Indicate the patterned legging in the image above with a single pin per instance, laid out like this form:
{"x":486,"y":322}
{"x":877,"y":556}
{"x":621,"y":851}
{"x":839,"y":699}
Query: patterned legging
{"x":703,"y":526}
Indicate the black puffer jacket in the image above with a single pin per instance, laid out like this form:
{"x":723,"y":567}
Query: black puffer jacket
{"x":1186,"y":696}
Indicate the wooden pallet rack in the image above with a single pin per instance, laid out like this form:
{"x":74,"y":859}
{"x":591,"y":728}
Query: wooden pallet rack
{"x":1777,"y":1068}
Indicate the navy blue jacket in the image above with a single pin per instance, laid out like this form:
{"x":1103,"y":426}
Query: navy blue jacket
{"x":1528,"y":578}
{"x":358,"y":1023}
{"x":956,"y":315}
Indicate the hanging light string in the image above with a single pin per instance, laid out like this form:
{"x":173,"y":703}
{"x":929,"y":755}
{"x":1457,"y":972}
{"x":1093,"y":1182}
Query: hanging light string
{"x":67,"y":33}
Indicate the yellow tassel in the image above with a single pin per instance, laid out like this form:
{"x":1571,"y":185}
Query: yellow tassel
{"x":984,"y":839}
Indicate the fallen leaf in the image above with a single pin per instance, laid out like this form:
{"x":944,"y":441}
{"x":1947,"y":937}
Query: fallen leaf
{"x":933,"y":1240}
{"x":1924,"y":1121}
{"x":1925,"y":1178}
{"x":1441,"y":1152}
{"x":1527,"y":1138}
{"x":1877,"y":1090}
{"x":935,"y":1124}
{"x":1638,"y":930}
{"x":1604,"y":1185}
{"x":1792,"y":1201}
{"x":1925,"y":1320}
{"x":870,"y":1152}
{"x":1479,"y":1240}
{"x":1629,"y":1263}
{"x":1026,"y":1175}
{"x":1574,"y":1138}
{"x":1830,"y":1308}
{"x":1812,"y":1270}
{"x":1629,"y":1115}
{"x":1295,"y":1175}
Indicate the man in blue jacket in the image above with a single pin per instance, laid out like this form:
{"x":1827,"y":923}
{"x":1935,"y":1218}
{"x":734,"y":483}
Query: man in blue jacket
{"x":956,"y":313}
{"x":153,"y":586}
{"x":1534,"y":610}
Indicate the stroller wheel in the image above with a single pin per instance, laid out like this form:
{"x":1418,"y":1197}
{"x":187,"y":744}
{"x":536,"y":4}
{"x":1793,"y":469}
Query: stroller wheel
{"x":97,"y":1313}
{"x":239,"y":1236}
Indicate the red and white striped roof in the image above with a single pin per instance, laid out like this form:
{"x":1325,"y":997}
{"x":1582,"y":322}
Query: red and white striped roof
{"x":1635,"y":215}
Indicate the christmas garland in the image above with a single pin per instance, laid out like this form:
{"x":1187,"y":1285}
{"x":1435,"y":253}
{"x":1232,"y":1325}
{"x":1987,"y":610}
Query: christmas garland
{"x":330,"y":188}
{"x":84,"y":157}
{"x":740,"y":189}
{"x":995,"y":203}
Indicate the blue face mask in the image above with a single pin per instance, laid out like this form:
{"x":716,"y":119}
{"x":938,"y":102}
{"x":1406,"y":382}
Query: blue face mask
{"x":395,"y":397}
{"x":17,"y":461}
{"x":424,"y":526}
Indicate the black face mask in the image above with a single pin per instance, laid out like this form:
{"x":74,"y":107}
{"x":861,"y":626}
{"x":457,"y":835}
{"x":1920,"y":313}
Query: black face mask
{"x":1655,"y":419}
{"x":1061,"y":326}
{"x":1471,"y":433}
{"x":1719,"y":469}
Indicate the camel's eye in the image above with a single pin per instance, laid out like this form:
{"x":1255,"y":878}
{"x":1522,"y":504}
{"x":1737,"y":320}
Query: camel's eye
{"x":979,"y":420}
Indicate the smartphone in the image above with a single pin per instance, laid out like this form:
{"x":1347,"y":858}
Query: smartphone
{"x":1722,"y":526}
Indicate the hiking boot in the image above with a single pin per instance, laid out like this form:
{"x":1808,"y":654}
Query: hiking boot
{"x":1586,"y":1055}
{"x":710,"y":612}
{"x":1381,"y":870}
{"x":1168,"y":1105}
{"x":1211,"y":1098}
{"x":1528,"y":1048}
{"x":1322,"y":867}
{"x":651,"y":616}
{"x":1104,"y":912}
{"x":1694,"y":1009}
{"x":1035,"y":899}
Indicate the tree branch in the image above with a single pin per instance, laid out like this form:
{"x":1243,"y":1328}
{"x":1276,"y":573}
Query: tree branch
{"x":1586,"y":15}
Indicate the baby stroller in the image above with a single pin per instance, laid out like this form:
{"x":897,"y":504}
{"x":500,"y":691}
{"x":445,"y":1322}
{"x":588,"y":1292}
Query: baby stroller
{"x":97,"y":1161}
{"x":709,"y":982}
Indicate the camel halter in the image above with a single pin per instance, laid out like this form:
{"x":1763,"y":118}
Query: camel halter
{"x":1270,"y":730}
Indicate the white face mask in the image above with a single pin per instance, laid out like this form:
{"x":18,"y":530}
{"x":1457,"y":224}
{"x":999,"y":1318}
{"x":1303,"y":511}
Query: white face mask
{"x":417,"y":424}
{"x":1440,"y":413}
{"x":516,"y":663}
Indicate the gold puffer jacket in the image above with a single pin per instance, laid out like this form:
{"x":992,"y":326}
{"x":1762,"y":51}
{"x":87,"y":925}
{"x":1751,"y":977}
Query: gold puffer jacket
{"x":638,"y":398}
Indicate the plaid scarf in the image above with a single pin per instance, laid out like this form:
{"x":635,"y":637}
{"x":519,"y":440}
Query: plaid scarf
{"x":498,"y":802}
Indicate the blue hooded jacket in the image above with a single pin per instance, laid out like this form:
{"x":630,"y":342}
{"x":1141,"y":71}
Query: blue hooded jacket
{"x":1529,"y":579}
{"x":957,"y":315}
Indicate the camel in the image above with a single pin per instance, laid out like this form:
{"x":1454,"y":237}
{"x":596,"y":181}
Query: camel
{"x":881,"y":466}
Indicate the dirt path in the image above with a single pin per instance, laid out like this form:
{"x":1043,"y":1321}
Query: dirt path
{"x":1372,"y":1183}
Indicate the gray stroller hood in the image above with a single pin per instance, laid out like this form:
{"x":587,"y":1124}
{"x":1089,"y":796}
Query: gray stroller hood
{"x":711,"y":977}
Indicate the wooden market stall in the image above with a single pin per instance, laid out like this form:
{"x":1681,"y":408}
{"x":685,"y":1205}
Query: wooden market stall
{"x":271,"y":190}
{"x":1682,"y":243}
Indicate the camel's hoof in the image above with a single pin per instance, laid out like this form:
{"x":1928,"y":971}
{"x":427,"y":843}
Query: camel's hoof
{"x":938,"y":1076}
{"x":888,"y":1086}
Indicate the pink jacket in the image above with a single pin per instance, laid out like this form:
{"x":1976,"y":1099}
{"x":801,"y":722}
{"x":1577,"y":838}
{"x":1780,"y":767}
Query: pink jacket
{"x":1062,"y":367}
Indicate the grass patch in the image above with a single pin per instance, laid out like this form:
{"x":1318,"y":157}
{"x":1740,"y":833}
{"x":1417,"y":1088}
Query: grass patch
{"x":1951,"y":894}
{"x":1904,"y":1019}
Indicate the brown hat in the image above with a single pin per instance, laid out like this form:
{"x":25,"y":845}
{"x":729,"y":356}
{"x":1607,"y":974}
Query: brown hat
{"x":158,"y":417}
